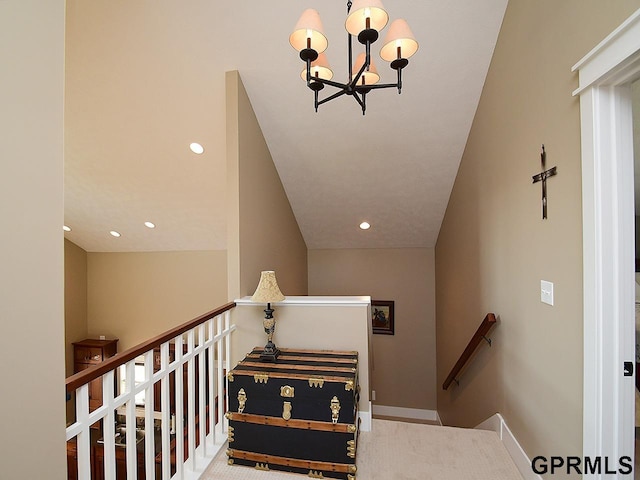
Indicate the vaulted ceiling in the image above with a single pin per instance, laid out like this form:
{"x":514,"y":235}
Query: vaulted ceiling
{"x":145,"y":79}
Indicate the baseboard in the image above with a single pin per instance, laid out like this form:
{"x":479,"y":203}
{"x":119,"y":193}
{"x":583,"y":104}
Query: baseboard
{"x":497,"y":424}
{"x":365,"y":420}
{"x":401,"y":412}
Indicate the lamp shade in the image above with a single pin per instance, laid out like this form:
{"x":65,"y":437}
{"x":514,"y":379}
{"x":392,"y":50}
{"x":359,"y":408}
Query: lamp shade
{"x":309,"y":26}
{"x":369,"y":77}
{"x":268,"y":290}
{"x":319,"y":69}
{"x":363,"y":9}
{"x":399,"y":36}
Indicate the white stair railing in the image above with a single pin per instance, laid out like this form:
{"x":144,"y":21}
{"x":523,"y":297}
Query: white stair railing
{"x":183,"y":370}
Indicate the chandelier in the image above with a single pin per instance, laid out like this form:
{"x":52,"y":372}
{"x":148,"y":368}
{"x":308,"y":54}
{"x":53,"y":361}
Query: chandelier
{"x":365,"y":19}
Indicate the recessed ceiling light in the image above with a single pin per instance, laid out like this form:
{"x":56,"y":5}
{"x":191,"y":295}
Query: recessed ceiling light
{"x":114,"y":233}
{"x":149,"y":224}
{"x":365,"y":226}
{"x":66,"y":228}
{"x":196,"y":148}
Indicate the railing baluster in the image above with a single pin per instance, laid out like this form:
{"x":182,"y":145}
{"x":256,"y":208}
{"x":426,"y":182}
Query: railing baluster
{"x":149,"y":420}
{"x":83,"y":441}
{"x":166,"y":411}
{"x":212,"y":386}
{"x":130,"y":420}
{"x":179,"y":392}
{"x":202,"y":415}
{"x":108,"y":427}
{"x":191,"y":402}
{"x":227,"y":361}
{"x":221,"y":375}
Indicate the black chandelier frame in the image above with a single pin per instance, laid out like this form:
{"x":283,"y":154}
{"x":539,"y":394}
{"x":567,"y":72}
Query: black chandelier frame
{"x":359,"y":92}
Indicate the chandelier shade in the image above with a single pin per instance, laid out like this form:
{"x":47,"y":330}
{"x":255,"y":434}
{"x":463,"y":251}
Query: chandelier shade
{"x":368,"y":77}
{"x":319,"y":69}
{"x":399,"y":42}
{"x":308,"y":33}
{"x":364,"y":15}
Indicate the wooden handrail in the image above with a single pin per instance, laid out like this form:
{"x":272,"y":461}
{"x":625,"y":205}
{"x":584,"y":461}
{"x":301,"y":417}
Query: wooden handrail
{"x":81,"y":378}
{"x":480,"y":334}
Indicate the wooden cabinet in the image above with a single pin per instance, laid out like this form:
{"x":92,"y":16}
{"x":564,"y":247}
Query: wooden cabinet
{"x":88,"y":353}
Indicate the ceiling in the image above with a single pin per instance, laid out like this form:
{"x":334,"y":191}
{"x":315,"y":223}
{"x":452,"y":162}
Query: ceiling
{"x":145,"y":79}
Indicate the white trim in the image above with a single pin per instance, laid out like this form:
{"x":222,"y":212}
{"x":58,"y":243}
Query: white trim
{"x":496,"y":423}
{"x":312,"y":301}
{"x":619,"y":49}
{"x":402,"y":412}
{"x":608,"y":241}
{"x":365,"y":420}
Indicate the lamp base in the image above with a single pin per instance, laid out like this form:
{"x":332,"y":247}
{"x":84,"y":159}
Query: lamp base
{"x":270,"y":352}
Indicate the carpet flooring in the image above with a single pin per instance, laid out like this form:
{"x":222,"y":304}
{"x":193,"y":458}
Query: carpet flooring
{"x":406,"y":451}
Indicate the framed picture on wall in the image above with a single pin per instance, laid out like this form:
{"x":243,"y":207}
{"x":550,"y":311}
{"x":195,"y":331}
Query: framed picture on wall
{"x":382,"y":316}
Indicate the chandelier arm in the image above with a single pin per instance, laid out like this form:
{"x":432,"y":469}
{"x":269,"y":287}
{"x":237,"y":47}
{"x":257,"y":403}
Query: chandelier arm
{"x":362,"y":101}
{"x":331,"y":97}
{"x":324,"y":81}
{"x":375,"y":86}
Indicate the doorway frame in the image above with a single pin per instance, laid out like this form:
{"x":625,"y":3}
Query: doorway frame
{"x":605,"y":75}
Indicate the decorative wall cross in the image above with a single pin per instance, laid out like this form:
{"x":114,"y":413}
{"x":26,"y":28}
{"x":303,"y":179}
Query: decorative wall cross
{"x":542,"y":177}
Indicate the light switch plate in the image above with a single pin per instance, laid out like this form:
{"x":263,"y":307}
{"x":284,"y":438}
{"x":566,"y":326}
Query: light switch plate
{"x":546,"y":292}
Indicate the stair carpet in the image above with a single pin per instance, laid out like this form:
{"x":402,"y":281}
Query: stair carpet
{"x":407,"y":451}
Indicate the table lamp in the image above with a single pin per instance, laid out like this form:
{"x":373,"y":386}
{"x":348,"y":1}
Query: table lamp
{"x":268,"y":292}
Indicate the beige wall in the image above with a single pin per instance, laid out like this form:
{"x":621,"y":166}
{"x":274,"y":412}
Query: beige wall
{"x":135,"y":296}
{"x":75,"y":306}
{"x":75,"y":298}
{"x":31,"y":254}
{"x":263,"y":233}
{"x":404,"y":370}
{"x":494,"y":249}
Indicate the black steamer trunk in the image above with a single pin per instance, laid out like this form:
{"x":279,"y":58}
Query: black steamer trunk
{"x":298,"y":414}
